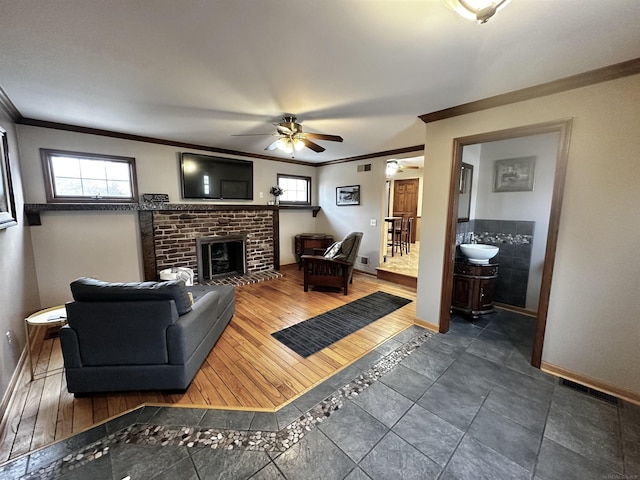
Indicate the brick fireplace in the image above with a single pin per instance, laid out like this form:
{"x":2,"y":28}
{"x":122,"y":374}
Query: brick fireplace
{"x":170,"y":234}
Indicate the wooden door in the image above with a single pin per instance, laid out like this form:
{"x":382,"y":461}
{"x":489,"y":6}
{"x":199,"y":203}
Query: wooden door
{"x":405,"y":201}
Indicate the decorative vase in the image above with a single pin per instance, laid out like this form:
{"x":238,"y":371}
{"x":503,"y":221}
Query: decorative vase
{"x":276,"y":200}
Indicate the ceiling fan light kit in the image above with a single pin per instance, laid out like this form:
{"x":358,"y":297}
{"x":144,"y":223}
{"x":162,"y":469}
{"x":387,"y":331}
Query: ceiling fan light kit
{"x":288,"y":145}
{"x":479,"y":10}
{"x":394,"y":166}
{"x":292,"y":139}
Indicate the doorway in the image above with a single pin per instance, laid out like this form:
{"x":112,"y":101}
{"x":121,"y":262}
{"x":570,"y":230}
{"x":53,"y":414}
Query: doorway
{"x":403,"y":197}
{"x":405,"y":200}
{"x":563,"y":129}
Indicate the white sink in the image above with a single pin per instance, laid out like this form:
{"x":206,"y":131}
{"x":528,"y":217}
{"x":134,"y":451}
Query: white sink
{"x":478,"y":253}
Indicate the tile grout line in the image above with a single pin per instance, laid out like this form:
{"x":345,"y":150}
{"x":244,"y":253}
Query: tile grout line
{"x":280,"y":441}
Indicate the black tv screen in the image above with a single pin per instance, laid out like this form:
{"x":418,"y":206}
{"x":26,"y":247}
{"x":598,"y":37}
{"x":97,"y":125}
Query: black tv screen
{"x":207,"y":177}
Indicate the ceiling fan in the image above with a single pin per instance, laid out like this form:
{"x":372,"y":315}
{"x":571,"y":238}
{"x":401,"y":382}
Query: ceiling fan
{"x":292,"y":139}
{"x":394,"y":166}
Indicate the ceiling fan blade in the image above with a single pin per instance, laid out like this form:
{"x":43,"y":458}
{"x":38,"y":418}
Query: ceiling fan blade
{"x":250,"y":134}
{"x":313,"y":146}
{"x":272,"y":146}
{"x":322,"y":136}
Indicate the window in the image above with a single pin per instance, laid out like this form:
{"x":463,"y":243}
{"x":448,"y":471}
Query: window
{"x":88,"y":177}
{"x":297,"y":189}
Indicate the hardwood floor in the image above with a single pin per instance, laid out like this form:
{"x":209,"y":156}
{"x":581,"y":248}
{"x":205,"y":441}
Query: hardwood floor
{"x":247,"y":369}
{"x":401,"y":269}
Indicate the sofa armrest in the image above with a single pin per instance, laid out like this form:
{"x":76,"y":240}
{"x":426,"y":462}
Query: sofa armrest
{"x":184,"y":336}
{"x":70,"y":347}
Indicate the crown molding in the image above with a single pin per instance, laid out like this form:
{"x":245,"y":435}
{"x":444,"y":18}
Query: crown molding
{"x":386,"y":153}
{"x":159,"y":141}
{"x":599,"y":75}
{"x":8,"y":107}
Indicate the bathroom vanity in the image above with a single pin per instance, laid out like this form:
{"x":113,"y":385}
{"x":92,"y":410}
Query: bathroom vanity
{"x":473,"y":288}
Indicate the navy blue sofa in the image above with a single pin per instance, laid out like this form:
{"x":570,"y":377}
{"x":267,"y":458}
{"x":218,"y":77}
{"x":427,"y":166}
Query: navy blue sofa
{"x":140,"y":336}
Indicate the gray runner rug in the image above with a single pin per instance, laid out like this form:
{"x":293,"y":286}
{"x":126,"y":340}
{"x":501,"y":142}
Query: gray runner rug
{"x":312,"y":335}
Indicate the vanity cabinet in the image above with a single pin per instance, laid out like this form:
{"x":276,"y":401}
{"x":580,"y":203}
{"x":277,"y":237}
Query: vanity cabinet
{"x":473,"y":288}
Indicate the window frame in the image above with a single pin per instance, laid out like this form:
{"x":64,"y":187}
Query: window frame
{"x":296,"y":177}
{"x":46,"y":155}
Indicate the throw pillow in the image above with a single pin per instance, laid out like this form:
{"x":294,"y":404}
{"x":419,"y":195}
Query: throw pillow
{"x":333,"y":251}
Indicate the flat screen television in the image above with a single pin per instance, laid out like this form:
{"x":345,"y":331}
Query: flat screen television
{"x":215,"y":178}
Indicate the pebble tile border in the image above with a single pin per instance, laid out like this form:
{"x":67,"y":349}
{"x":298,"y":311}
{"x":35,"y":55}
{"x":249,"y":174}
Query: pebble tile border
{"x":494,"y":238}
{"x":191,"y":437}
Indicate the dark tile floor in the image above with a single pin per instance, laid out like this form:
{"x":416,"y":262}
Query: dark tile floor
{"x":465,"y":405}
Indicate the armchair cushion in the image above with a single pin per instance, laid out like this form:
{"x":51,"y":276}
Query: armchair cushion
{"x":343,"y":249}
{"x":92,"y":290}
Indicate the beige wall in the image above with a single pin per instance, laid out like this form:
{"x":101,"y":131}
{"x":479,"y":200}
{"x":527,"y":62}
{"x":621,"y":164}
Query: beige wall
{"x":341,"y":220}
{"x":107,"y":244}
{"x":592,"y":326}
{"x":18,"y":287}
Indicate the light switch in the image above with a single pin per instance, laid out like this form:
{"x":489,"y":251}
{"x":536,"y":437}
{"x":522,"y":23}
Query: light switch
{"x":373,"y":222}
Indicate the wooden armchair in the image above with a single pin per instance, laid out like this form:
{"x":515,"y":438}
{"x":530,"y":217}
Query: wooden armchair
{"x":335,"y":267}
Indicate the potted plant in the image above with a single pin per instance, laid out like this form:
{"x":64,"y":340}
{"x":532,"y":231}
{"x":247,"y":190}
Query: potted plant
{"x":276,"y":192}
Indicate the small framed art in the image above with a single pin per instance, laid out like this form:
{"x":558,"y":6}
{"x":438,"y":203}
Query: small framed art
{"x":514,"y":174}
{"x":349,"y":195}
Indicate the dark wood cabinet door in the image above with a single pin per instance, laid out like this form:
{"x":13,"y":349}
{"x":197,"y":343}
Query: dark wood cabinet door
{"x":462,"y":290}
{"x":485,"y":294}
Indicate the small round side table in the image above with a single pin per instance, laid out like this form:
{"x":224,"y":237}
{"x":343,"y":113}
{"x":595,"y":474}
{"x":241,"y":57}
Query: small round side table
{"x":52,"y":317}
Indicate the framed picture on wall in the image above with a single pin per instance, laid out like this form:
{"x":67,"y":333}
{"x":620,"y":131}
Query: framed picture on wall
{"x":349,"y":195}
{"x":7,"y":203}
{"x":514,"y":174}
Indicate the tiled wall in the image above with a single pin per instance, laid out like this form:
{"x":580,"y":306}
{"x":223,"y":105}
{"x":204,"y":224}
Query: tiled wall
{"x":514,"y":237}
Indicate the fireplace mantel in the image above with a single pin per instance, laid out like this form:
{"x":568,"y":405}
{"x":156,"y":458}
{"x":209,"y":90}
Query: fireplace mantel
{"x":32,"y":211}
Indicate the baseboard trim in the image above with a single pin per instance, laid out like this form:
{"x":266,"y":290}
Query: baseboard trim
{"x":428,"y":325}
{"x":622,"y":393}
{"x":11,"y":387}
{"x":523,"y":311}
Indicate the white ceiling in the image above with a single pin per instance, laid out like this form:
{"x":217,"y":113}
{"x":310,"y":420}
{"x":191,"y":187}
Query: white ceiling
{"x":200,"y":71}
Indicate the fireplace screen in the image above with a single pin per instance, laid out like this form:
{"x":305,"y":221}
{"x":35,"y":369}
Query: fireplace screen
{"x":221,"y":256}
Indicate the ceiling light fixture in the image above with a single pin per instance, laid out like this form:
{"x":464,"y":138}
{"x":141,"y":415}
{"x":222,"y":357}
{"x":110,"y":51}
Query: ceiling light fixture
{"x":284,"y":144}
{"x":480,"y":10}
{"x":392,"y":167}
{"x":288,"y":145}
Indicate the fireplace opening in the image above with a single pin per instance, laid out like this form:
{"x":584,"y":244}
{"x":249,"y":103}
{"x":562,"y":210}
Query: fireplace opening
{"x":221,"y":256}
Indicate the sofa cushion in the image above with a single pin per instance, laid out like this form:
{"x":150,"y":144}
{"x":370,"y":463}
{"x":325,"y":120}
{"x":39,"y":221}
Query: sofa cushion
{"x":92,"y":290}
